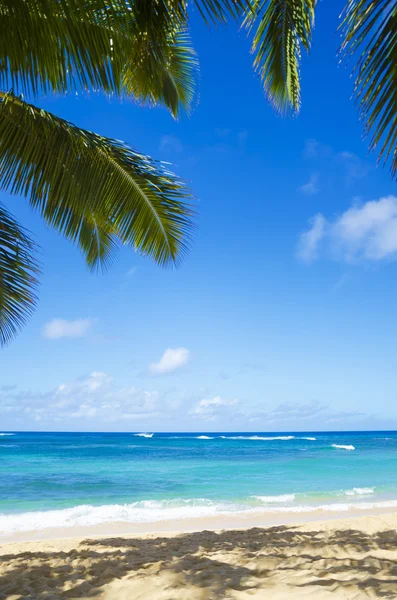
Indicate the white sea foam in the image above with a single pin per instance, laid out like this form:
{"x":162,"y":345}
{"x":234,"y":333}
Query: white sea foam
{"x":311,"y":439}
{"x":145,"y":435}
{"x":146,"y":511}
{"x":204,"y":437}
{"x":360,"y":491}
{"x":149,"y":511}
{"x":257,"y":437}
{"x":7,"y":434}
{"x":276,"y":499}
{"x":342,"y":447}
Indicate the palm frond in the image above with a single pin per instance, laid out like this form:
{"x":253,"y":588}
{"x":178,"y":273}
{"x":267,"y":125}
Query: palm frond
{"x":93,"y":233}
{"x":213,"y":11}
{"x":165,"y":73}
{"x":70,"y":175}
{"x":56,"y":45}
{"x":370,"y":29}
{"x":284,"y":27}
{"x":18,"y":276}
{"x":64,"y":45}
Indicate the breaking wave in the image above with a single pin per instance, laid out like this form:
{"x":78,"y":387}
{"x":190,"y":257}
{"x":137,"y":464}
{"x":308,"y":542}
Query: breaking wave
{"x":151,"y":511}
{"x":275,"y":499}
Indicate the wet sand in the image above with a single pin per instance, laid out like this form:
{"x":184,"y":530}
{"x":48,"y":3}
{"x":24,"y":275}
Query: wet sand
{"x":344,"y":559}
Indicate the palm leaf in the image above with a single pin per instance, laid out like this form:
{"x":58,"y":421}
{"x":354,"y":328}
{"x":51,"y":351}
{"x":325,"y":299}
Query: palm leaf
{"x":61,"y":45}
{"x":167,"y":73}
{"x":370,"y":29}
{"x":176,"y":11}
{"x":214,"y":11}
{"x":18,"y":276}
{"x":56,"y":45}
{"x":284,"y":27}
{"x":71,"y":175}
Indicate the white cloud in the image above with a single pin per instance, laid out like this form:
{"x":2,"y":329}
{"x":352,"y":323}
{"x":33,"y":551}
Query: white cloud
{"x":97,"y":402}
{"x":209,"y":408}
{"x":61,"y":328}
{"x":309,"y":240}
{"x":131,"y":272}
{"x":95,"y":397}
{"x":311,"y":187}
{"x":363,"y":232}
{"x":171,"y":143}
{"x":171,"y":360}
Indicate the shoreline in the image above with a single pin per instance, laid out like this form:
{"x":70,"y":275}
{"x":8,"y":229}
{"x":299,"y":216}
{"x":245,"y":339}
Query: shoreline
{"x":233,"y":521}
{"x":335,"y":559}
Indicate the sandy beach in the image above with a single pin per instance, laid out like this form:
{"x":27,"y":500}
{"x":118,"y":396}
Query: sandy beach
{"x":342,"y":559}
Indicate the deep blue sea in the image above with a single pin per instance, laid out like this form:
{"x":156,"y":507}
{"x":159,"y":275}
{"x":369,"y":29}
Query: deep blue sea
{"x":76,"y":479}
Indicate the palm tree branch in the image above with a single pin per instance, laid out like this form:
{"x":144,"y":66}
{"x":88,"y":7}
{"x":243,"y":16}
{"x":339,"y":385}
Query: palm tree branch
{"x":56,"y":45}
{"x":213,"y":11}
{"x":166,"y":74}
{"x":370,"y":29}
{"x":71,"y":174}
{"x":281,"y":28}
{"x":18,"y":276}
{"x":63,"y":45}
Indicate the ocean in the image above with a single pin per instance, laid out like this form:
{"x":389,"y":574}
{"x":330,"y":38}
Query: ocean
{"x":82,"y":479}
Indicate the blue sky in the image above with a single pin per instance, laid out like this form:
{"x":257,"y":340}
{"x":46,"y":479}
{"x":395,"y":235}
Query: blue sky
{"x":282,"y":317}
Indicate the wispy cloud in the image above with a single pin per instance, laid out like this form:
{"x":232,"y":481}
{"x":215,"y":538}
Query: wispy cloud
{"x":345,"y":163}
{"x":131,"y":272}
{"x":62,"y":328}
{"x":171,"y":143}
{"x":171,"y":360}
{"x":97,"y":401}
{"x":363,"y":232}
{"x":314,"y":149}
{"x":222,"y":131}
{"x":210,"y":408}
{"x":242,"y":136}
{"x":95,"y":396}
{"x":354,"y":167}
{"x":311,"y":187}
{"x":309,"y":241}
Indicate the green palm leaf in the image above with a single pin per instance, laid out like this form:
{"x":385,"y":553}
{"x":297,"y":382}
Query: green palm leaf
{"x":18,"y":276}
{"x":72,"y":176}
{"x":284,"y":27}
{"x":370,"y":28}
{"x":167,"y":73}
{"x":214,"y":11}
{"x":64,"y":44}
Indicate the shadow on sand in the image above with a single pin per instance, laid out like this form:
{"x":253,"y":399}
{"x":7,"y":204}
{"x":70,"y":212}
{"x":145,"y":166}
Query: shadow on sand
{"x":211,"y":565}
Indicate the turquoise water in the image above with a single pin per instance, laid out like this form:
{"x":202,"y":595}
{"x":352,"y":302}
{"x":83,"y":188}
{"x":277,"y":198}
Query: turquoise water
{"x":62,"y":479}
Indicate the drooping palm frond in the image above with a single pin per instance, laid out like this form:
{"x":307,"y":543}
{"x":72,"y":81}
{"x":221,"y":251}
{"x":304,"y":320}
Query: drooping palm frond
{"x":136,"y":47}
{"x":214,"y":11}
{"x":64,"y":44}
{"x":370,"y":29}
{"x":166,"y":74}
{"x":72,"y":176}
{"x":283,"y":27}
{"x":176,"y":11}
{"x":18,"y":276}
